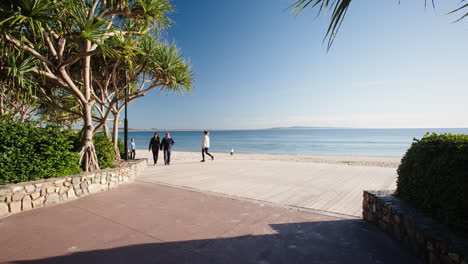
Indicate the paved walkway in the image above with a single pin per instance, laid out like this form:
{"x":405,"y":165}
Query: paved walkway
{"x":150,"y":223}
{"x":324,"y":187}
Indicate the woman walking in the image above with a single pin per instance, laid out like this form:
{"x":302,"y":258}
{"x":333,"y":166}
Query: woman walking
{"x":205,"y":146}
{"x":154,"y":146}
{"x":166,"y":145}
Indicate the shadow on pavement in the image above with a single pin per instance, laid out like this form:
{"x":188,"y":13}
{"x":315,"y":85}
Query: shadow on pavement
{"x":343,"y":241}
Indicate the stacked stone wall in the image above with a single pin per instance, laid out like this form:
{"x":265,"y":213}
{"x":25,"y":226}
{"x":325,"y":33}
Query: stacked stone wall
{"x":429,"y":240}
{"x":20,"y":197}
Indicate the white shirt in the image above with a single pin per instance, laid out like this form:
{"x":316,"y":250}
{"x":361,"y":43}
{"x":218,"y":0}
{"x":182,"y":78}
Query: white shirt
{"x":206,"y":142}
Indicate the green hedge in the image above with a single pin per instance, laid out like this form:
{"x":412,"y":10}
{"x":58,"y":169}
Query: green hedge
{"x":433,"y":176}
{"x":30,"y":153}
{"x":104,"y":150}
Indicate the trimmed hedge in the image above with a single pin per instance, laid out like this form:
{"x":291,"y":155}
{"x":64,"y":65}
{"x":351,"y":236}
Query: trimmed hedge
{"x":30,"y":153}
{"x":433,"y":177}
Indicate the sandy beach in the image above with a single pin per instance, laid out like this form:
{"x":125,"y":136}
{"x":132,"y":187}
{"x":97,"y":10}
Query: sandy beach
{"x":181,"y":156}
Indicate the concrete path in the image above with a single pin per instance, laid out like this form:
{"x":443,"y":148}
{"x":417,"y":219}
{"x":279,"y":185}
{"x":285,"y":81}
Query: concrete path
{"x":319,"y":186}
{"x":149,"y":223}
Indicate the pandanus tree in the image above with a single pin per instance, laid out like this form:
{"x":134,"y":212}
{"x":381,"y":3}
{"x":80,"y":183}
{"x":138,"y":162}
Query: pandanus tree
{"x":64,"y":37}
{"x":339,"y":8}
{"x":157,"y":65}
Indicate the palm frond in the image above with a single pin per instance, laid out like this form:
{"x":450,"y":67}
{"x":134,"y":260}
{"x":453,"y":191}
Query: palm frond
{"x":164,"y":61}
{"x":32,"y":14}
{"x":463,"y":7}
{"x":339,"y":7}
{"x":154,"y":13}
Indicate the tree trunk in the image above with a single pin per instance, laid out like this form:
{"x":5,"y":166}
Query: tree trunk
{"x":2,"y":105}
{"x":106,"y":130}
{"x":115,"y":134}
{"x":22,"y":116}
{"x":105,"y":125}
{"x":2,"y":110}
{"x":88,"y":157}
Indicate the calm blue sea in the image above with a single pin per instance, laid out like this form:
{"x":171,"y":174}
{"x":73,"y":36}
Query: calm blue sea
{"x":333,"y":142}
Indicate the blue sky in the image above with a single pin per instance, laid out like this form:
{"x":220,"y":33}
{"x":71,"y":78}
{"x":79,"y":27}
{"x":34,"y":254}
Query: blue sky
{"x":257,"y":66}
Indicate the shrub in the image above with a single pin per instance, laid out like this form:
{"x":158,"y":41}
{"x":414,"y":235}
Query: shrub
{"x":28,"y":152}
{"x":433,"y":177}
{"x":121,"y":146}
{"x":104,"y":150}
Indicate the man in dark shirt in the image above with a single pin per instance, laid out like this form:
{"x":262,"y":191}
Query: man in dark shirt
{"x":154,"y":146}
{"x":166,"y":145}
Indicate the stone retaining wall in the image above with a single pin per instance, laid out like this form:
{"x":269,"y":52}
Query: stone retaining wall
{"x":427,"y":239}
{"x":15,"y":198}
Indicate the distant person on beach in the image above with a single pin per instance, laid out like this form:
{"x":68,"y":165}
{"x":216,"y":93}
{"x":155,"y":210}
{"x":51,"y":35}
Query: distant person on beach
{"x":154,"y":145}
{"x":232,"y":151}
{"x":132,"y":149}
{"x":166,"y":145}
{"x":205,"y":146}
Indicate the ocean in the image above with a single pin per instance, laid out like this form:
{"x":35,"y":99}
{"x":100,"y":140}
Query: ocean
{"x":330,"y":142}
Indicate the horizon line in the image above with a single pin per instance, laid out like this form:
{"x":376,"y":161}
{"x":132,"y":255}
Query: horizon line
{"x":279,"y":128}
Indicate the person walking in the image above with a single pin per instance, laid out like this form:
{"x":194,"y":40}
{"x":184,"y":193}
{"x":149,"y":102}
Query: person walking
{"x":205,"y":146}
{"x":132,"y":149}
{"x":166,"y":145}
{"x":154,"y":145}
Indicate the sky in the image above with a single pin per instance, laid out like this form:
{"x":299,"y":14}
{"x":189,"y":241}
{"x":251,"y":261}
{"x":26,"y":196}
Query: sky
{"x":257,"y":65}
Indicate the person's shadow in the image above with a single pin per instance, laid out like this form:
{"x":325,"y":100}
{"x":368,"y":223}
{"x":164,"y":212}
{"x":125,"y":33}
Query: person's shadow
{"x":344,"y":241}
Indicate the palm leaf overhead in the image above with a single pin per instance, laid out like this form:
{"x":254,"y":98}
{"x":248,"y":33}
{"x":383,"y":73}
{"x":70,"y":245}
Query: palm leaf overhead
{"x":462,"y":8}
{"x":339,"y":9}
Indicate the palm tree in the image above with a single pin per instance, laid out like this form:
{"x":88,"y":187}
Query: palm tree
{"x":156,"y":65}
{"x":63,"y":36}
{"x":339,"y":9}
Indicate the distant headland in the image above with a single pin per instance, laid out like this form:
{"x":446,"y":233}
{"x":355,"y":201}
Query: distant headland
{"x":193,"y":129}
{"x":303,"y":128}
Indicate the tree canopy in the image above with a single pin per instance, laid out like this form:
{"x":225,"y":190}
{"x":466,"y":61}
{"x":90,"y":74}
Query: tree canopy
{"x":75,"y":58}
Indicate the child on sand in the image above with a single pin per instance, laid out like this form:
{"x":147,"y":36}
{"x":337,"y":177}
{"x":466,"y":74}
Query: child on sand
{"x":132,"y":149}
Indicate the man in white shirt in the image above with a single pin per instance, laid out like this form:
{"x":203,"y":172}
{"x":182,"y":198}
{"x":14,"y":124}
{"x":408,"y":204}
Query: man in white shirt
{"x":205,"y":146}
